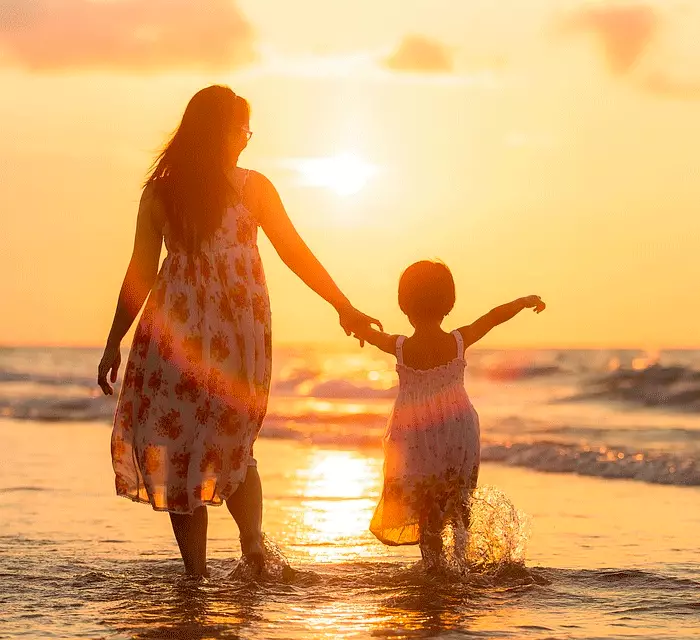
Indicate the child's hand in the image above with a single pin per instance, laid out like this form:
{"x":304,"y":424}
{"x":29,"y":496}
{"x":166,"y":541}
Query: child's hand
{"x":361,"y":335}
{"x":535,"y":303}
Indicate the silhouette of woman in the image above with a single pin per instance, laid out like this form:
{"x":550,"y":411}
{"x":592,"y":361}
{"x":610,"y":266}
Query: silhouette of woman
{"x":196,"y":383}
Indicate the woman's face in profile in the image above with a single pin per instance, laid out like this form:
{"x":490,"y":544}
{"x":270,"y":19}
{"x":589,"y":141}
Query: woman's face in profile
{"x":239,"y":139}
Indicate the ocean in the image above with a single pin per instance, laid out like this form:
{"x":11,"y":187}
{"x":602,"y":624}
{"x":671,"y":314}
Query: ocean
{"x":596,"y":451}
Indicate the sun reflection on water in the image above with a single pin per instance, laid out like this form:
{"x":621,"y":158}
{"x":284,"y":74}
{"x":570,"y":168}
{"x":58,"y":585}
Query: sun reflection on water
{"x":339,"y":490}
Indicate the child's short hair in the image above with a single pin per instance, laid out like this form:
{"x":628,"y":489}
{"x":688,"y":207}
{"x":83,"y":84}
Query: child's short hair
{"x":426,"y":290}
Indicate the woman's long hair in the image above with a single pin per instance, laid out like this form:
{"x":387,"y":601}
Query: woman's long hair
{"x":190,"y":174}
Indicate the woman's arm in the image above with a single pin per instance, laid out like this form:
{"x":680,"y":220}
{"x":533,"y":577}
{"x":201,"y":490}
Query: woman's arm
{"x":478,"y":329}
{"x":140,"y":276}
{"x":294,"y":252}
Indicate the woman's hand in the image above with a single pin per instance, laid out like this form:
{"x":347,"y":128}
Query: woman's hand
{"x":535,"y":303}
{"x":111,"y":359}
{"x":354,"y":321}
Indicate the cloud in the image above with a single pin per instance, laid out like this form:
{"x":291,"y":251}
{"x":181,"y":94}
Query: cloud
{"x":624,"y":31}
{"x":662,"y":84}
{"x":140,"y":35}
{"x":419,"y":54}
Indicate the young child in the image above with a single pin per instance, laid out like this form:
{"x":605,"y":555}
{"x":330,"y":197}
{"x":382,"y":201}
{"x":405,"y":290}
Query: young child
{"x":431,"y":445}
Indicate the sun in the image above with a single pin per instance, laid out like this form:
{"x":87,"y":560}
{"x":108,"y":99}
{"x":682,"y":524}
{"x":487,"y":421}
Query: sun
{"x":345,"y":174}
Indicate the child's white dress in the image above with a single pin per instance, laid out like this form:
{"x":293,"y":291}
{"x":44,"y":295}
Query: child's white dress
{"x":431,"y":448}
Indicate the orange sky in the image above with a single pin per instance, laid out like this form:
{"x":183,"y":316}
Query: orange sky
{"x":536,"y":147}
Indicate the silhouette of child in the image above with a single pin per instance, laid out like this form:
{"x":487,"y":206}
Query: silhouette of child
{"x":431,"y":444}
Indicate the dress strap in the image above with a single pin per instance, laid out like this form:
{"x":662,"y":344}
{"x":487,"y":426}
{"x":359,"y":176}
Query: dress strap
{"x":241,"y":191}
{"x":399,"y":349}
{"x":460,"y":344}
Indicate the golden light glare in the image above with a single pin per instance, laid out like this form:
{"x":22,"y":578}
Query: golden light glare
{"x":340,"y":475}
{"x":345,"y":174}
{"x":340,"y":490}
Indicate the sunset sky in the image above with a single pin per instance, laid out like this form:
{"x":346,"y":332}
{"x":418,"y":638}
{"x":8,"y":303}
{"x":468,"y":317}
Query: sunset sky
{"x":539,"y":146}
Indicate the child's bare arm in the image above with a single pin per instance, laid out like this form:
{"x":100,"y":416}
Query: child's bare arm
{"x":478,"y":329}
{"x":379,"y":339}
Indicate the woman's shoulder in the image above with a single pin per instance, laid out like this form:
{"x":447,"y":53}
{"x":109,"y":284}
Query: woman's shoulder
{"x":253,"y":183}
{"x":263,"y":199}
{"x":152,"y":203}
{"x":257,"y":180}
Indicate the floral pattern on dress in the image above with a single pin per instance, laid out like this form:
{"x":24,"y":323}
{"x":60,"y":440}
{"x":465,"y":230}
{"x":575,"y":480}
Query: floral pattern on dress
{"x":196,"y":383}
{"x":431,"y":452}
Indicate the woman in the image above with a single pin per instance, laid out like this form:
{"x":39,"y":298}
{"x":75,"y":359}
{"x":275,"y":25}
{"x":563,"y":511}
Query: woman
{"x":196,"y":383}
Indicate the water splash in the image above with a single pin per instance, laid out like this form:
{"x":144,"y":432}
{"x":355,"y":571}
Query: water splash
{"x":275,"y":568}
{"x":498,"y":532}
{"x":496,"y":540}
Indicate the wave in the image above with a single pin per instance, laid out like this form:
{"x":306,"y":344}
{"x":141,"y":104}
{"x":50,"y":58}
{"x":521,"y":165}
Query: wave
{"x":622,"y":578}
{"x":81,"y":408}
{"x":343,"y":389}
{"x":22,"y":489}
{"x":509,"y":372}
{"x":299,"y":383}
{"x":365,"y":429}
{"x":354,"y":419}
{"x":602,"y":462}
{"x":655,"y":386}
{"x":639,"y":434}
{"x":650,"y":466}
{"x":306,"y":382}
{"x":8,"y":376}
{"x":96,"y":407}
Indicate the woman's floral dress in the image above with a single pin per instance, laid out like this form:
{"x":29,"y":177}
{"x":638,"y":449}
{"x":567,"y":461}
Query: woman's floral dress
{"x":196,"y":383}
{"x":431,"y":449}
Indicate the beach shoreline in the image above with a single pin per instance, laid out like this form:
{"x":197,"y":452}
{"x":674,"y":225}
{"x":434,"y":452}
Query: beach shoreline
{"x":72,"y":553}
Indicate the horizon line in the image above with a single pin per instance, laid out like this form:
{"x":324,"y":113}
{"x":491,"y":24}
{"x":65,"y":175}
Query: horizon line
{"x":341,"y":344}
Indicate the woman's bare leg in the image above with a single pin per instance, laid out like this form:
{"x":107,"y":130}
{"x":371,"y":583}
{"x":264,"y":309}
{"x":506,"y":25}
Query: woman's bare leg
{"x":191,"y":535}
{"x":246,"y":508}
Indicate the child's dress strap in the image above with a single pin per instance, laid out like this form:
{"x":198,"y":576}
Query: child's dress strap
{"x":460,"y":344}
{"x":399,"y":349}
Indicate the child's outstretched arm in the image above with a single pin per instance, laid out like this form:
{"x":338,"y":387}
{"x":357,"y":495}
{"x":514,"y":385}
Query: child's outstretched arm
{"x":478,"y":329}
{"x":379,"y":339}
